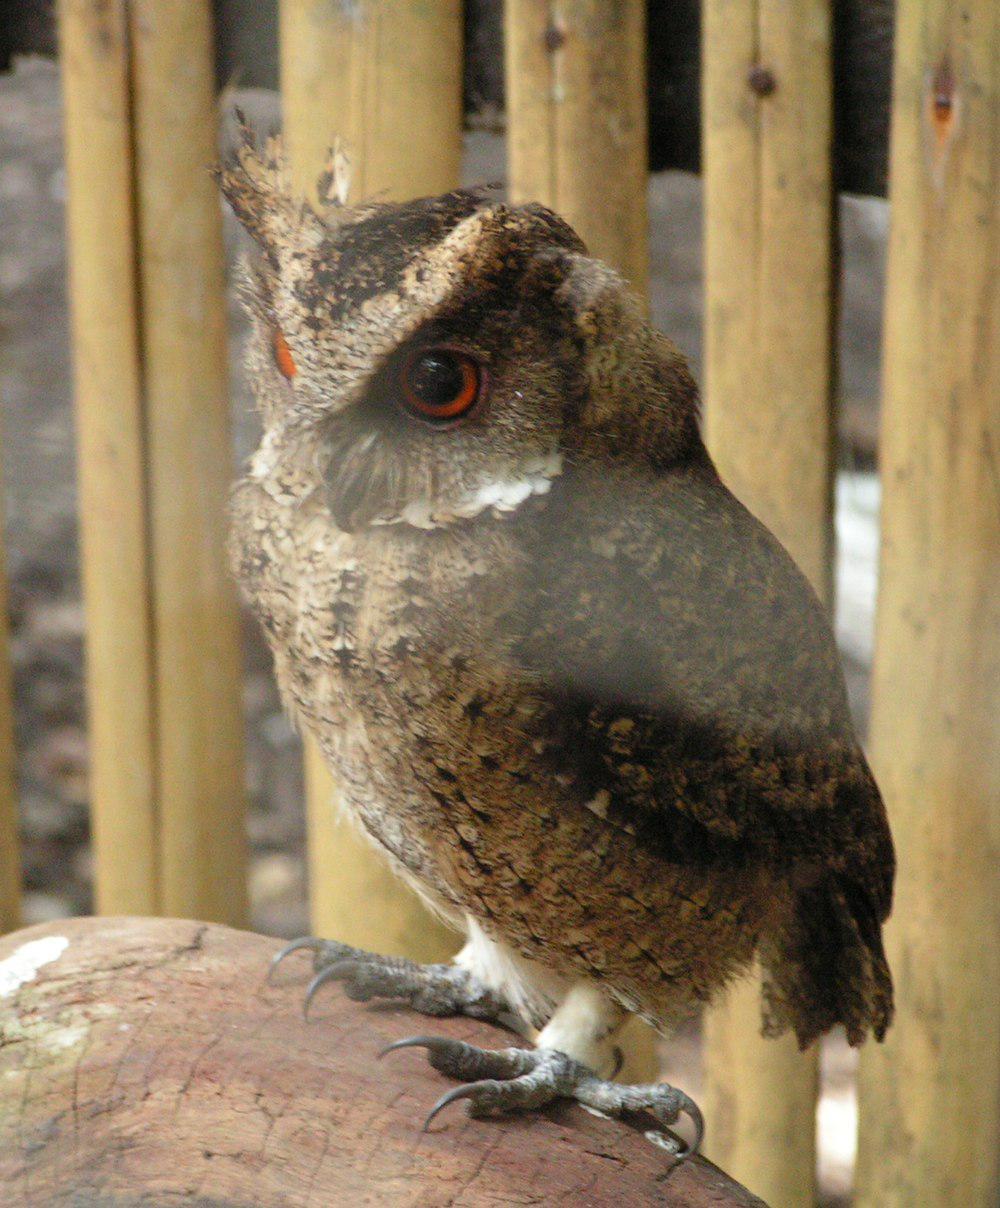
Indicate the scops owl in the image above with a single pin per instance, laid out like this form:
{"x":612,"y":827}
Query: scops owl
{"x":581,"y":699}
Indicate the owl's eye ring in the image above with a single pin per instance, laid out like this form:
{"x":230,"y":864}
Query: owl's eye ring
{"x":283,"y":358}
{"x":439,"y":384}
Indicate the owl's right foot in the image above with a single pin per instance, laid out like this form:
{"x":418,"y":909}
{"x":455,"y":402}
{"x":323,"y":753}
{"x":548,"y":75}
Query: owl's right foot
{"x":429,"y":989}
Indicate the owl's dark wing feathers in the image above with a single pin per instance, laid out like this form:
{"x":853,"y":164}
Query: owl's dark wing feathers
{"x":694,"y":684}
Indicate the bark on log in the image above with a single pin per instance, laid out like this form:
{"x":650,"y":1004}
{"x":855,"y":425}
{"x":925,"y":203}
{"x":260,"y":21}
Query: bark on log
{"x":148,"y":1061}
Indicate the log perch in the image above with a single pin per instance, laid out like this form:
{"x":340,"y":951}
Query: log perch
{"x":149,"y":1061}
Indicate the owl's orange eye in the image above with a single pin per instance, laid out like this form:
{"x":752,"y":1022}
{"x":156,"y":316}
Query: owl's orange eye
{"x":439,"y":384}
{"x":283,"y":355}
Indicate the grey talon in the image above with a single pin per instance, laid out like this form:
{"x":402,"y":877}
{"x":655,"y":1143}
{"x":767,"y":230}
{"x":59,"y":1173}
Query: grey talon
{"x":468,"y":1091}
{"x":436,"y":1044}
{"x":328,"y":973}
{"x":305,"y":941}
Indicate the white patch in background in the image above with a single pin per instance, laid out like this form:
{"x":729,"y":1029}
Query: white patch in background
{"x":857,"y":522}
{"x":23,"y":964}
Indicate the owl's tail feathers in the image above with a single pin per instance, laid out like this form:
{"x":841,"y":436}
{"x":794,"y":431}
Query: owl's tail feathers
{"x":826,"y":965}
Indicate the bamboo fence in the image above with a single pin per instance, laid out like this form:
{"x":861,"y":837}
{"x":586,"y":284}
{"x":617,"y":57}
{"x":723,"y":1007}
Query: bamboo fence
{"x":576,"y":120}
{"x":148,"y":335}
{"x":930,"y":1107}
{"x":148,"y":315}
{"x":767,"y":140}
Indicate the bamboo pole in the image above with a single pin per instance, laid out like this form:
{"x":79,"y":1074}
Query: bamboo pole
{"x":198,"y":676}
{"x":768,"y":342}
{"x":111,"y":452}
{"x":930,"y":1096}
{"x":383,"y":76}
{"x":10,"y":847}
{"x":576,"y":141}
{"x":576,"y":120}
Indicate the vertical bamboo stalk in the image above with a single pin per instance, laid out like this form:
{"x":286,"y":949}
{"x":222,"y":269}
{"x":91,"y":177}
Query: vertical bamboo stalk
{"x":768,"y":342}
{"x":576,"y":141}
{"x":198,"y":682}
{"x":385,"y":77}
{"x":111,"y":451}
{"x":576,"y":120}
{"x":10,"y":847}
{"x":930,"y":1096}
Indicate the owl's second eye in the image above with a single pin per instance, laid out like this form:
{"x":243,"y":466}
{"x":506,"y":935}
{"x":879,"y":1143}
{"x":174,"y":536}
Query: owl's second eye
{"x":283,"y":355}
{"x":439,"y":384}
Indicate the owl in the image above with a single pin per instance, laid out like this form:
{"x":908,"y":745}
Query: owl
{"x":580,"y":699}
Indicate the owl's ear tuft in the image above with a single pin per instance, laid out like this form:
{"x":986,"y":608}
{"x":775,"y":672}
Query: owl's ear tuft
{"x":255,"y":181}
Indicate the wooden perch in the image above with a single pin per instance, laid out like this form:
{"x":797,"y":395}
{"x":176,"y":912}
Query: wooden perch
{"x":147,"y":1060}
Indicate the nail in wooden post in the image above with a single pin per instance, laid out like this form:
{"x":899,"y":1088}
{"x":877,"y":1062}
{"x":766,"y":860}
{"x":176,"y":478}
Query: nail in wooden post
{"x":930,"y":1096}
{"x":576,"y":121}
{"x":111,"y":474}
{"x":385,"y":78}
{"x":768,"y":351}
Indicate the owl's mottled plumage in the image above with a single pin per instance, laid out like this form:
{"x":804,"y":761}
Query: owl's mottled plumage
{"x":583,"y":699}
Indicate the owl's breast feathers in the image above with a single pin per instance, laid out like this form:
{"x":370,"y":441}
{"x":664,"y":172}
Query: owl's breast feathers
{"x":626,"y":677}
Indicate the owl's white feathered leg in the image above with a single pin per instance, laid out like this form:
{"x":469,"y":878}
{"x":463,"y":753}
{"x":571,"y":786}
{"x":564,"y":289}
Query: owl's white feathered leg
{"x":583,"y":1027}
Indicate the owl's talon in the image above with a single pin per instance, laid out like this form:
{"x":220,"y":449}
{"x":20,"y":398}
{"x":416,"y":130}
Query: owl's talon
{"x":432,"y":1043}
{"x":460,"y":1060}
{"x":468,"y":1091}
{"x":335,"y":972}
{"x":522,"y":1079}
{"x":305,"y":941}
{"x":324,"y":952}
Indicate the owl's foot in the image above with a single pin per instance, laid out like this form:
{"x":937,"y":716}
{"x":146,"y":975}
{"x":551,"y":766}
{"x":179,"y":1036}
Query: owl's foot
{"x":429,"y":989}
{"x":511,"y":1080}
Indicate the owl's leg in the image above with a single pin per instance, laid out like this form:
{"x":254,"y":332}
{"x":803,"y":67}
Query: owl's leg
{"x":511,"y":1080}
{"x":430,"y":989}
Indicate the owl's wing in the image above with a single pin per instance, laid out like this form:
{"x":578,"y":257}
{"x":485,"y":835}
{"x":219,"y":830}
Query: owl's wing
{"x":694,"y":691}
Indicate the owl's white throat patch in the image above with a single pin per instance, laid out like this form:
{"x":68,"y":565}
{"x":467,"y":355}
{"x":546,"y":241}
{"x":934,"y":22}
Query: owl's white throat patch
{"x":501,"y":496}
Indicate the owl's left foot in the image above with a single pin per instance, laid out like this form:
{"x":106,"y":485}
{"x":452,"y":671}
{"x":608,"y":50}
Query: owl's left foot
{"x":430,"y":989}
{"x":512,"y":1080}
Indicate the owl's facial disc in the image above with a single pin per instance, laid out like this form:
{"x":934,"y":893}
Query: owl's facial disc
{"x":438,"y":438}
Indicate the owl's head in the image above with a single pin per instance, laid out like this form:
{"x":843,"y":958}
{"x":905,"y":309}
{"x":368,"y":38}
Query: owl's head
{"x":427,"y":362}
